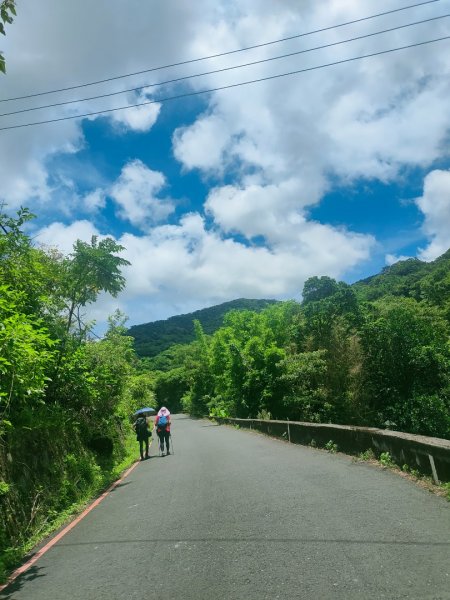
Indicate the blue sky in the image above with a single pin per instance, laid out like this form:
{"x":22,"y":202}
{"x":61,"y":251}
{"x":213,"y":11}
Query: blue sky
{"x":244,"y":192}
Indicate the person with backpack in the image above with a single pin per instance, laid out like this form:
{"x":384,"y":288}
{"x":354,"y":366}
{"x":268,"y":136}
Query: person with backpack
{"x":162,"y":425}
{"x":142,"y":434}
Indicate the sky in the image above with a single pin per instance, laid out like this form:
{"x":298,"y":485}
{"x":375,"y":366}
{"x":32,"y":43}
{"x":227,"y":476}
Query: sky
{"x":245,"y":192}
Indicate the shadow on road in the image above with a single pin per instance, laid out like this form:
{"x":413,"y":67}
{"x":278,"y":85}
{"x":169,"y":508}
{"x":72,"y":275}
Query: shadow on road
{"x":16,"y":585}
{"x":120,"y":485}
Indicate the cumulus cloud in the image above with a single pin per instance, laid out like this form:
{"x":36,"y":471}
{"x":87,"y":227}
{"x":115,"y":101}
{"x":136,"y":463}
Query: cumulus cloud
{"x":95,"y":200}
{"x":61,"y":236}
{"x":391,"y":259}
{"x":272,"y":149}
{"x":184,"y":267}
{"x":435,"y":205}
{"x":44,"y":52}
{"x":261,"y":210}
{"x":139,"y":118}
{"x":135,"y":193}
{"x":188,"y":266}
{"x":202,"y":144}
{"x":365,"y":119}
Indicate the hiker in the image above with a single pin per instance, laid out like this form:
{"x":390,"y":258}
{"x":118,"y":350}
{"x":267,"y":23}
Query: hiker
{"x":142,"y":434}
{"x":162,"y":425}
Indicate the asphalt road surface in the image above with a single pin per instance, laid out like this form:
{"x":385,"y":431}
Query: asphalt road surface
{"x":236,"y":515}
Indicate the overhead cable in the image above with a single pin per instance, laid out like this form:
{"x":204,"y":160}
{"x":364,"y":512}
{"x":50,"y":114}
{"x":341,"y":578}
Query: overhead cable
{"x":222,"y":70}
{"x":224,"y":87}
{"x":220,"y":54}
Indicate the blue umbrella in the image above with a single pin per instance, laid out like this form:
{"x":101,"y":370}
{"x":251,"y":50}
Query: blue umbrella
{"x":144,"y":411}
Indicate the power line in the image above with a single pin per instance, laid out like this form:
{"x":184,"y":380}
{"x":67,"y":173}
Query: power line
{"x":225,"y":87}
{"x":193,"y":60}
{"x":222,"y":70}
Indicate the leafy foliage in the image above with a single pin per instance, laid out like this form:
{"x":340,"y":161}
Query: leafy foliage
{"x":376,"y":353}
{"x":59,"y":389}
{"x":337,"y":357}
{"x":7,"y":12}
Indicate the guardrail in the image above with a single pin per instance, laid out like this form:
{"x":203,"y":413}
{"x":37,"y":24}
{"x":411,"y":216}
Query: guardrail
{"x":428,"y":455}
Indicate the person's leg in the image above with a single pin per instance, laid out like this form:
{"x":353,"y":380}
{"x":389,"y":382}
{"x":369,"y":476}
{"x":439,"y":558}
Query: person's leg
{"x":161,"y":441}
{"x":167,"y":438}
{"x":141,"y":448}
{"x":146,"y":447}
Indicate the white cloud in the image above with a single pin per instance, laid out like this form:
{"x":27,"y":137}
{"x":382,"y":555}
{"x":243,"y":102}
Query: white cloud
{"x":261,"y":210}
{"x":186,"y":266}
{"x":139,"y":118}
{"x":366,"y":118}
{"x":392,"y":259}
{"x":43,"y":52}
{"x":363,"y":119}
{"x":135,"y":192}
{"x":180,"y":268}
{"x":435,"y":205}
{"x":95,"y":200}
{"x":201,"y":145}
{"x":63,"y":237}
{"x":273,"y":149}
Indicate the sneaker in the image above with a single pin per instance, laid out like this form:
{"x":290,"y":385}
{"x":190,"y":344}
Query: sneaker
{"x":168,"y":452}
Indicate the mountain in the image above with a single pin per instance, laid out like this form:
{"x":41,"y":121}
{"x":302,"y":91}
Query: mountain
{"x":410,"y":278}
{"x":153,"y":338}
{"x":413,"y":278}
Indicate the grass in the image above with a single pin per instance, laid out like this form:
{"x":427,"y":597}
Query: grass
{"x":331,"y":447}
{"x":386,"y":460}
{"x":11,"y":557}
{"x":424,"y":481}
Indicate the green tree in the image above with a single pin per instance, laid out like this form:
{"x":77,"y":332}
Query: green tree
{"x":64,"y":402}
{"x":406,"y":367}
{"x":170,"y":387}
{"x":318,"y":288}
{"x":26,"y":356}
{"x":7,"y":12}
{"x":244,"y":358}
{"x":91,"y":269}
{"x":198,"y":374}
{"x":306,"y":395}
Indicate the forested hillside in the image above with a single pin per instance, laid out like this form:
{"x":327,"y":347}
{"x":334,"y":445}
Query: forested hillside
{"x":410,"y":278}
{"x":375,"y":353}
{"x":153,"y":338}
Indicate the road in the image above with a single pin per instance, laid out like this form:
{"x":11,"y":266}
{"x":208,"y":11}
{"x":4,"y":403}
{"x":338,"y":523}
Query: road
{"x":236,"y":515}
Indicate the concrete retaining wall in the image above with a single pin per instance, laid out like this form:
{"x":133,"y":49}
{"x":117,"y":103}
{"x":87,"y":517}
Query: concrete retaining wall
{"x":428,"y":455}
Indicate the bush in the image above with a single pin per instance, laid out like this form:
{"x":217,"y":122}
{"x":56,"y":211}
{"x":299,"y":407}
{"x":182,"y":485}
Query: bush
{"x":386,"y":460}
{"x":331,"y":447}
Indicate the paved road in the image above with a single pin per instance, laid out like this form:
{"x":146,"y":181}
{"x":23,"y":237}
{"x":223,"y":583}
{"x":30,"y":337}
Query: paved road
{"x":235,"y":515}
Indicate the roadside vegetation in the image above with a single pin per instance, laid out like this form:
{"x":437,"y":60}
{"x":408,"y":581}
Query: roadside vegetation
{"x":376,"y":353}
{"x":65,"y":399}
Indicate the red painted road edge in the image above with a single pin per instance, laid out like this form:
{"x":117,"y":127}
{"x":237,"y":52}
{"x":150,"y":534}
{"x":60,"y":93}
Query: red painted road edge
{"x":62,"y":533}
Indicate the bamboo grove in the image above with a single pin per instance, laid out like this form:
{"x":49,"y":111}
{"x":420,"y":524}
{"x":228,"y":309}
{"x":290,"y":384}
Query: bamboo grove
{"x":375,"y":353}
